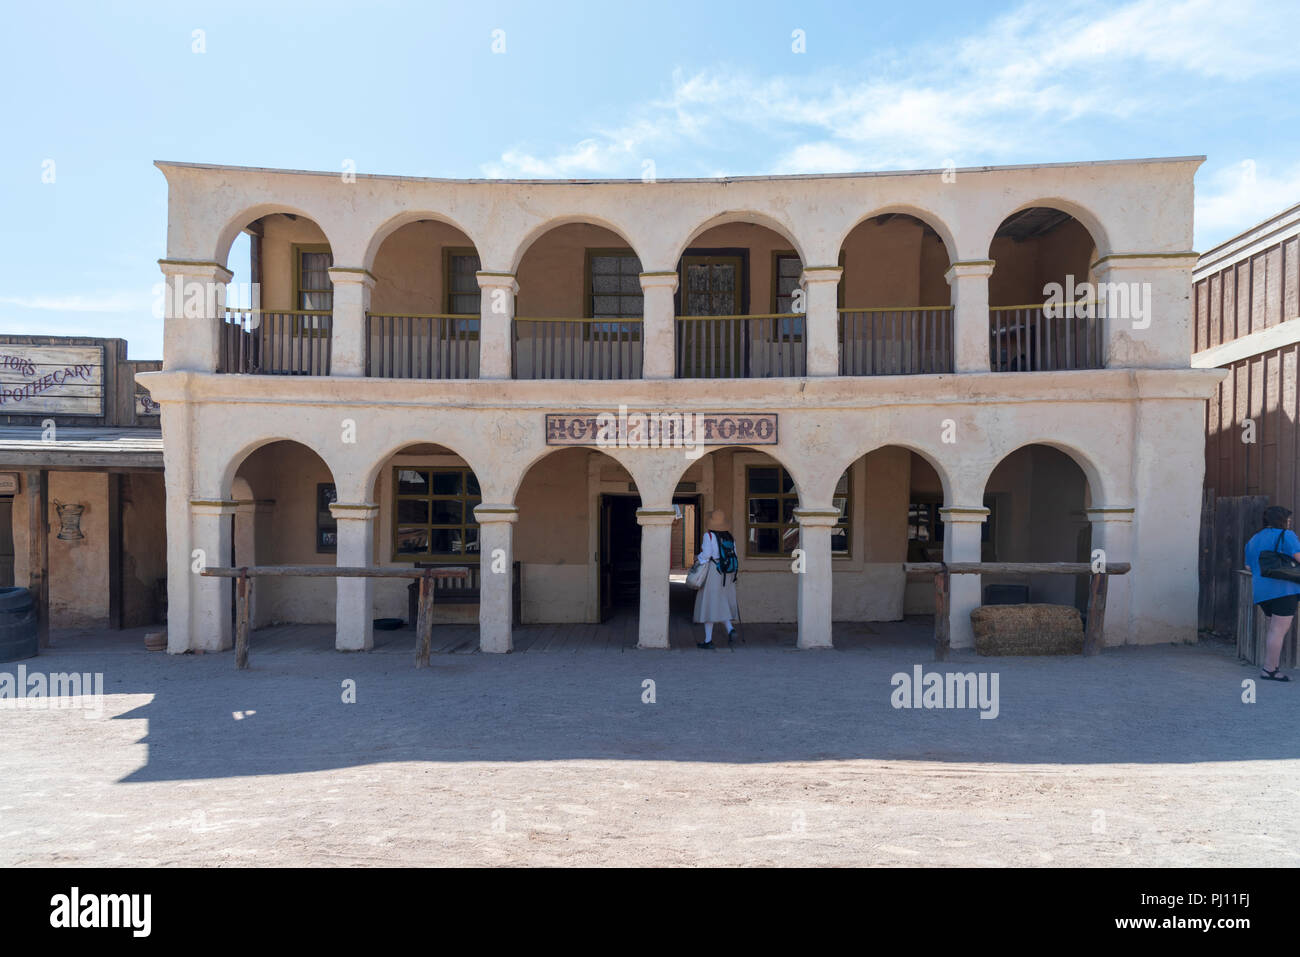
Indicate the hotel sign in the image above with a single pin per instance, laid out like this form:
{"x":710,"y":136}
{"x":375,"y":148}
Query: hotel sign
{"x":654,"y":430}
{"x":59,"y":380}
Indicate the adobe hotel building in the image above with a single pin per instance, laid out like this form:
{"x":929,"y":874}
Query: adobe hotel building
{"x":881,"y":380}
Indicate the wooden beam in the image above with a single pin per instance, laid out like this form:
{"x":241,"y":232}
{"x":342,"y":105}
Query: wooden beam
{"x":1013,"y":568}
{"x":333,"y":571}
{"x":424,"y":620}
{"x":38,"y":550}
{"x":1094,"y":636}
{"x":115,"y":552}
{"x":242,"y":623}
{"x":942,"y":638}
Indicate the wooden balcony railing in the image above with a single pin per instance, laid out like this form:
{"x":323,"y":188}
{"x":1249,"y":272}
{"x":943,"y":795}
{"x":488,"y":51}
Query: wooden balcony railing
{"x":577,"y":349}
{"x":422,"y":346}
{"x":283,"y":342}
{"x":896,"y":341}
{"x":741,"y":347}
{"x":1024,"y":339}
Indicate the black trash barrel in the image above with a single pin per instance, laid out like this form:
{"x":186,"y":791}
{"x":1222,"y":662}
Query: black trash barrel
{"x":17,"y":624}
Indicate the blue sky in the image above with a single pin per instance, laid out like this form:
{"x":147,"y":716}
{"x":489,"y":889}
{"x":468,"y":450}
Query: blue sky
{"x":599,"y":89}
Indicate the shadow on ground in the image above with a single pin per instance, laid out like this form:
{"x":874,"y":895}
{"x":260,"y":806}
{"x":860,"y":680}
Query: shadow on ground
{"x":761,"y":702}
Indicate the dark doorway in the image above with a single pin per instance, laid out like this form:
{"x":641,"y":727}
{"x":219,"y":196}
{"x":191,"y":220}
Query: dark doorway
{"x":620,"y":553}
{"x":6,"y":541}
{"x":686,"y":532}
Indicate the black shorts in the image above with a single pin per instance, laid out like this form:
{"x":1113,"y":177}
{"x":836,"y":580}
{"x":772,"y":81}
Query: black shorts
{"x":1281,"y":607}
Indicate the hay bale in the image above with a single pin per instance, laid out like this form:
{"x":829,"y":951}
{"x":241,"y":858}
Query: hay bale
{"x":1027,"y":630}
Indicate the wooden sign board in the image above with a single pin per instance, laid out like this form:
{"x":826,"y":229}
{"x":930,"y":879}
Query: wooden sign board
{"x":145,"y":405}
{"x":51,"y":380}
{"x":8,"y":483}
{"x":626,"y":429}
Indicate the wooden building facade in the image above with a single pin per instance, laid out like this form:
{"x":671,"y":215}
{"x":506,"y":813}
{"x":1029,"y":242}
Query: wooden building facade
{"x":1246,"y":319}
{"x":82,"y":517}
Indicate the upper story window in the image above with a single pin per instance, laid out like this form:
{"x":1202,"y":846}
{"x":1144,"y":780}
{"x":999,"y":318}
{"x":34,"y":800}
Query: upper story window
{"x":786,"y":270}
{"x":461,"y":295}
{"x":313,"y":290}
{"x":615,"y":285}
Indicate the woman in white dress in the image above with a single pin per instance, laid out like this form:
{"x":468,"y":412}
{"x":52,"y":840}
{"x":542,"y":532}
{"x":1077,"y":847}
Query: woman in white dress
{"x":716,"y":599}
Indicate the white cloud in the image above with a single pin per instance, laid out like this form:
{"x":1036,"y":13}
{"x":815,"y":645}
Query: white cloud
{"x":1239,"y":196}
{"x":1023,"y":80}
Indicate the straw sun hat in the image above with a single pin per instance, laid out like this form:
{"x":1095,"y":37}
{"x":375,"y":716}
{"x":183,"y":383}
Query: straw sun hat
{"x":717,"y":520}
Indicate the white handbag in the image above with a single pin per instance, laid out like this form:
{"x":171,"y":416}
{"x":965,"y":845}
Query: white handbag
{"x":695,"y":577}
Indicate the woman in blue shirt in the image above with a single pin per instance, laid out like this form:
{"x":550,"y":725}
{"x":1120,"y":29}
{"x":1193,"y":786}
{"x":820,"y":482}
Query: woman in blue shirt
{"x":1276,"y":597}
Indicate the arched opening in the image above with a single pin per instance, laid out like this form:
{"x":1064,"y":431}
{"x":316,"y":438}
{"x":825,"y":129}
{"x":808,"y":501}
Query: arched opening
{"x":578,"y":543}
{"x":280,"y":302}
{"x":1043,"y":309}
{"x":283,"y":491}
{"x":895,"y":304}
{"x":423,"y":321}
{"x":888,"y":502}
{"x":758,"y":495}
{"x":1037,"y":497}
{"x":739,"y":314}
{"x":426,"y":495}
{"x":579,"y":310}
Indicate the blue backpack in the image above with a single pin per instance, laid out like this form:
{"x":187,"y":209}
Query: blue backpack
{"x":727,"y":563}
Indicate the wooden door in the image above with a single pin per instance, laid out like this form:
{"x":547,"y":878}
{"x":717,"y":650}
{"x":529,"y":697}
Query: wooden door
{"x":712,"y":286}
{"x":6,"y":541}
{"x":606,"y":559}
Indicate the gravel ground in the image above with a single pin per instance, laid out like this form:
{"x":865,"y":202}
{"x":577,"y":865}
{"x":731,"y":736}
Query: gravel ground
{"x":1143,"y":756}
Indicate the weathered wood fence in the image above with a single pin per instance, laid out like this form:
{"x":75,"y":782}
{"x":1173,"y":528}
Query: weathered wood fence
{"x":1096,"y":614}
{"x":244,"y":582}
{"x":1227,"y":524}
{"x":1252,"y":632}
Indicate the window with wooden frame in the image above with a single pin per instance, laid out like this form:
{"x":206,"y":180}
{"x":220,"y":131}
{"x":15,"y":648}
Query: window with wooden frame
{"x":461,"y":295}
{"x":313,"y":290}
{"x":613,"y":290}
{"x":327,"y":527}
{"x":786,"y":270}
{"x":771,"y":529}
{"x":433,"y":514}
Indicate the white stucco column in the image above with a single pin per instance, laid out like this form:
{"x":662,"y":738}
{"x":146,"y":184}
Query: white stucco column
{"x":1167,"y":479}
{"x":352,"y":288}
{"x":496,"y":324}
{"x":814,"y":606}
{"x":656,"y":547}
{"x":658,"y":325}
{"x":1112,"y":532}
{"x":209,"y":597}
{"x":354,"y":601}
{"x":496,"y":573}
{"x":822,"y":321}
{"x":961,"y":543}
{"x":1146,"y":301}
{"x":193,"y":311}
{"x":970,"y":322}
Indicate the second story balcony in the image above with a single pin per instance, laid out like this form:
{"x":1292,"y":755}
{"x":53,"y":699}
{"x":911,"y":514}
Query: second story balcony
{"x":574,"y":297}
